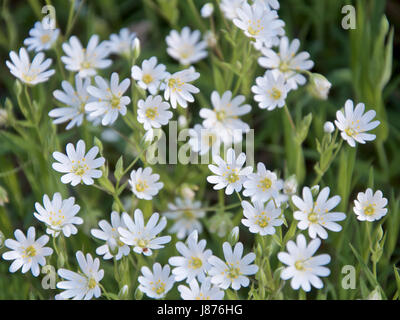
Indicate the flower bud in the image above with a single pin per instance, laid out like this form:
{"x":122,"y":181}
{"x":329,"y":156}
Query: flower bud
{"x":3,"y":117}
{"x":123,"y":293}
{"x":315,"y":190}
{"x":136,"y":50}
{"x":375,"y":295}
{"x":234,"y":236}
{"x":207,"y":10}
{"x":329,"y":127}
{"x":319,"y":86}
{"x":138,"y":294}
{"x":187,"y":192}
{"x":182,"y":122}
{"x":2,"y":239}
{"x":290,"y":185}
{"x":210,"y":38}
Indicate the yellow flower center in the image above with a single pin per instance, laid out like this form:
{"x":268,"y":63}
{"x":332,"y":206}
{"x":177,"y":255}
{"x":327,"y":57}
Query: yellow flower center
{"x":143,"y":243}
{"x":195,"y":263}
{"x":115,"y":102}
{"x":28,"y":78}
{"x":284,"y":66}
{"x":255,"y":28}
{"x":186,"y":51}
{"x":79,"y":169}
{"x":262,"y":220}
{"x":45,"y":38}
{"x":86,"y":65}
{"x":233,"y":176}
{"x":201,"y":296}
{"x":233,"y":272}
{"x":221,"y":115}
{"x":120,"y":243}
{"x":92,"y":283}
{"x":29,"y":252}
{"x":159,"y":287}
{"x":188,"y":214}
{"x":369,"y":210}
{"x":299,"y":265}
{"x":56,"y":219}
{"x":147,"y":78}
{"x":265,"y":184}
{"x":350,"y":132}
{"x":313,"y":217}
{"x":151,"y":113}
{"x":276,"y":94}
{"x":141,"y":186}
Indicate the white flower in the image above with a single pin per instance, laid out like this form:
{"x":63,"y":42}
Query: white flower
{"x":78,"y":166}
{"x":203,"y":139}
{"x":235,"y":270}
{"x":178,"y":90}
{"x":29,"y":73}
{"x":194,"y":260}
{"x":27,"y":252}
{"x":302,"y":267}
{"x":329,"y":127}
{"x":42,"y":36}
{"x":224,"y":118}
{"x":259,"y":22}
{"x":109,"y":98}
{"x":203,"y":292}
{"x":354,"y":123}
{"x":153,"y":112}
{"x":186,"y":214}
{"x":319,"y":86}
{"x":156,"y":284}
{"x":263,"y":185}
{"x":85,"y":284}
{"x":187,"y":46}
{"x":315,"y":215}
{"x":109,"y":233}
{"x":85,"y":61}
{"x":370,"y":206}
{"x":59,"y":215}
{"x":74,"y":99}
{"x":150,"y":75}
{"x":122,"y":43}
{"x":261,"y":218}
{"x":287,"y":62}
{"x":207,"y":10}
{"x":144,"y":184}
{"x":229,"y":173}
{"x":228,"y":7}
{"x":270,"y":91}
{"x":143,"y":238}
{"x":210,"y":38}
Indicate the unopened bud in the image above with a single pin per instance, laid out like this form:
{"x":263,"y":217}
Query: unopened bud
{"x":319,"y":86}
{"x":290,"y":185}
{"x":315,"y":190}
{"x":207,"y":10}
{"x":234,"y":236}
{"x":123,"y":293}
{"x":329,"y":127}
{"x":3,"y":196}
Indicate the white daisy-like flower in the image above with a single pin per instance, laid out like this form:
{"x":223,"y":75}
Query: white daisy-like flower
{"x":194,"y":260}
{"x":370,"y":206}
{"x":206,"y":291}
{"x":42,"y":36}
{"x":263,"y":185}
{"x":85,"y":284}
{"x":270,"y":91}
{"x":316,"y":216}
{"x":178,"y":89}
{"x":354,"y":123}
{"x":78,"y":166}
{"x":302,"y":266}
{"x":59,"y":215}
{"x":144,"y":184}
{"x":287,"y":62}
{"x":110,"y":234}
{"x":156,"y":284}
{"x":86,"y":61}
{"x":228,"y":7}
{"x":229,"y":174}
{"x":202,"y":140}
{"x":150,"y":76}
{"x":75,"y":99}
{"x":143,"y":237}
{"x":186,"y":46}
{"x":261,"y":218}
{"x":259,"y":22}
{"x":235,"y":270}
{"x":224,"y":117}
{"x":153,"y":112}
{"x":27,"y":252}
{"x":29,"y":73}
{"x":122,"y":43}
{"x":109,"y":100}
{"x":186,"y":214}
